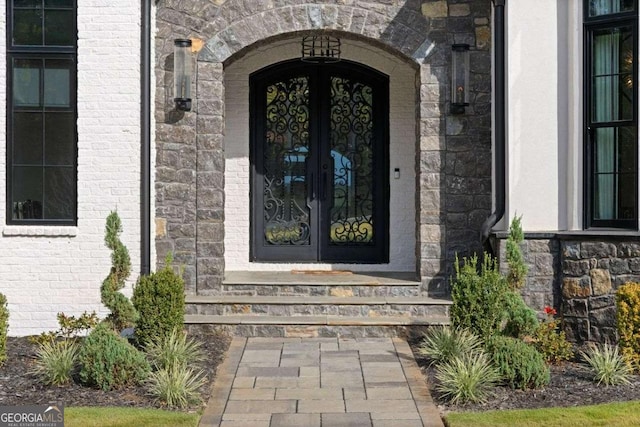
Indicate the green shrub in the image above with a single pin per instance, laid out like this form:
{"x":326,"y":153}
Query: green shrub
{"x":628,"y":322}
{"x":108,"y":361}
{"x":174,"y":349}
{"x":551,"y":341}
{"x":176,"y":386}
{"x":123,"y":314}
{"x":72,"y":326}
{"x":444,"y":343}
{"x":55,"y":361}
{"x":4,"y":327}
{"x":608,"y":365}
{"x":478,"y":297}
{"x":159,"y":300}
{"x":519,"y":364}
{"x":520,"y":319}
{"x":466,"y":379}
{"x":517,"y":267}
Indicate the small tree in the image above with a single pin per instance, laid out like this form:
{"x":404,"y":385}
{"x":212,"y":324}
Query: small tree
{"x":478,"y":298}
{"x":123,"y":314}
{"x":517,"y":267}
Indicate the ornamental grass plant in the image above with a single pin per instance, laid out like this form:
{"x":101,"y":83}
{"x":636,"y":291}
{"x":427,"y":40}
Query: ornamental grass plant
{"x":608,"y":364}
{"x":177,"y":385}
{"x":443,"y":343}
{"x":467,"y":378}
{"x":174,"y":349}
{"x":55,"y":362}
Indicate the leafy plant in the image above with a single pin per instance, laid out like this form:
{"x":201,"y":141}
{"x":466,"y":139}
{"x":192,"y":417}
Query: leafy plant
{"x":628,"y":322}
{"x":4,"y":328}
{"x":521,"y":320}
{"x":467,"y":378}
{"x":517,"y":266}
{"x":520,"y":365}
{"x":445,"y":343}
{"x":71,"y":326}
{"x":549,"y":340}
{"x":123,"y":314}
{"x":478,"y":296}
{"x":109,"y":362}
{"x":55,"y":361}
{"x":160,"y":302}
{"x":609,"y":366}
{"x":174,"y":349}
{"x":177,"y":385}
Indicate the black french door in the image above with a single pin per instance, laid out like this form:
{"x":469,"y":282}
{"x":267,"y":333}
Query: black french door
{"x":319,"y":156}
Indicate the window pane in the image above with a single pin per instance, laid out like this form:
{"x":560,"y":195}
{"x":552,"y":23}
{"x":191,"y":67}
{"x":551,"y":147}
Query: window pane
{"x":26,"y":83}
{"x":59,"y":193}
{"x":613,"y":80}
{"x":27,"y":138}
{"x":27,"y":27}
{"x":27,"y":3}
{"x":615,"y":165}
{"x":58,"y":3}
{"x":59,"y":28}
{"x":27,"y":192}
{"x":606,"y":7}
{"x":57,"y":83}
{"x":59,"y":139}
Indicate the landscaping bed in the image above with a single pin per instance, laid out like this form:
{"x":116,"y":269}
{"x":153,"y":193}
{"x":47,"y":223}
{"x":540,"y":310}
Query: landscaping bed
{"x":571,"y":385}
{"x":17,"y":387}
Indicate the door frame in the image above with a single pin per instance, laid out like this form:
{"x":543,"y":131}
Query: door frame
{"x":319,"y":250}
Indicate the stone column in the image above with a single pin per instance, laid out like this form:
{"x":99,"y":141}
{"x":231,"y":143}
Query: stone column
{"x":210,"y":178}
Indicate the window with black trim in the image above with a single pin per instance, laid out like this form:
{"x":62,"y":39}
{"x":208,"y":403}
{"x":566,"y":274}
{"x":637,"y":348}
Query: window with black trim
{"x":41,"y":112}
{"x":611,"y":113}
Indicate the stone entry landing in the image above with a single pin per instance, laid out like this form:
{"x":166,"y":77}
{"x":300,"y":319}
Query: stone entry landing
{"x":294,"y":304}
{"x":320,"y":382}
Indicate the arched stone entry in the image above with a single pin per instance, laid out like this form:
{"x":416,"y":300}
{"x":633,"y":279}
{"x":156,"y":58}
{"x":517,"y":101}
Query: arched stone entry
{"x":452,"y":153}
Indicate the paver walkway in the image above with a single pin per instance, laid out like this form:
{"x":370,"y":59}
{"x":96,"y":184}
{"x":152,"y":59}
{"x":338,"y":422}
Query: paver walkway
{"x":320,"y":382}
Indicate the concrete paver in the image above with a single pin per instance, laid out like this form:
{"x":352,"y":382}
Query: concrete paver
{"x":324,"y":382}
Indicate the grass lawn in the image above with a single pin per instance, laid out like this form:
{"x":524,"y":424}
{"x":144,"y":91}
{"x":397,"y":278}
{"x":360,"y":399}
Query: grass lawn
{"x":126,"y":417}
{"x":611,"y":414}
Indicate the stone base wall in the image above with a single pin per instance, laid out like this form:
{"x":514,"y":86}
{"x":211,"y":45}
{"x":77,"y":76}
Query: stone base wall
{"x":578,"y":274}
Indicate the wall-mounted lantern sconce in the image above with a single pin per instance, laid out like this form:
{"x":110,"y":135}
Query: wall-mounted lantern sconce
{"x":459,"y":78}
{"x":182,"y":74}
{"x":321,"y":49}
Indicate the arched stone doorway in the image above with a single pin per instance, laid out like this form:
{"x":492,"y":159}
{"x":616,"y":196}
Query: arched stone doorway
{"x":194,"y":157}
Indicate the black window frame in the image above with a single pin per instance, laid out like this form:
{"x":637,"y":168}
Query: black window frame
{"x":40,"y":52}
{"x":591,"y":25}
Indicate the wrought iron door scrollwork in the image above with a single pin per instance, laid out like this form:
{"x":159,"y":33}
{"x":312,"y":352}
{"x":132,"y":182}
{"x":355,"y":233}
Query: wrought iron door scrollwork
{"x":286,"y":148}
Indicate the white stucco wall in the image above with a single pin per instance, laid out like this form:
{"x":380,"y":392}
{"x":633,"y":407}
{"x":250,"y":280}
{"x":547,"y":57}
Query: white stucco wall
{"x":46,"y":270}
{"x":535,"y":103}
{"x":402,"y":155}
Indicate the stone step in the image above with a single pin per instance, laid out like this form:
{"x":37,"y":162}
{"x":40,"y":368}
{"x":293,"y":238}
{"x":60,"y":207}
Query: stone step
{"x":320,"y":283}
{"x":313,"y":326}
{"x":317,"y":306}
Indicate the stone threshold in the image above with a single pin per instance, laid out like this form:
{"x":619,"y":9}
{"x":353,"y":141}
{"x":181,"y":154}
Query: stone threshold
{"x":288,"y":278}
{"x":316,"y":320}
{"x":313,"y":300}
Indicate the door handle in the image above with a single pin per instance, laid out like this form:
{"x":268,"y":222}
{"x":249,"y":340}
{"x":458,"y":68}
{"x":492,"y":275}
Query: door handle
{"x":324,"y":183}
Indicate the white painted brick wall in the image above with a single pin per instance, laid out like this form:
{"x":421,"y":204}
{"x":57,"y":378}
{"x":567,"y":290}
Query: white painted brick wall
{"x":402,"y":155}
{"x":46,"y":270}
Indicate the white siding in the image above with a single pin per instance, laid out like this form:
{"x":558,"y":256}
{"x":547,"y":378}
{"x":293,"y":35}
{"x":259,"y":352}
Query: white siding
{"x":534,"y":131}
{"x":46,"y":270}
{"x":402,"y":155}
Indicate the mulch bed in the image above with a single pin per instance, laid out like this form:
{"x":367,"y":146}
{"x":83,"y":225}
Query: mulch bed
{"x":18,"y":387}
{"x":571,"y":385}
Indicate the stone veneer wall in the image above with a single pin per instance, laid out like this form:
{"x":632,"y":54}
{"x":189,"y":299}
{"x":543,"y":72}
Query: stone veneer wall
{"x":578,"y":274}
{"x":452,"y":152}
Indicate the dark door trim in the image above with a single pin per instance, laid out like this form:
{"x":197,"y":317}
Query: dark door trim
{"x":319,"y":182}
